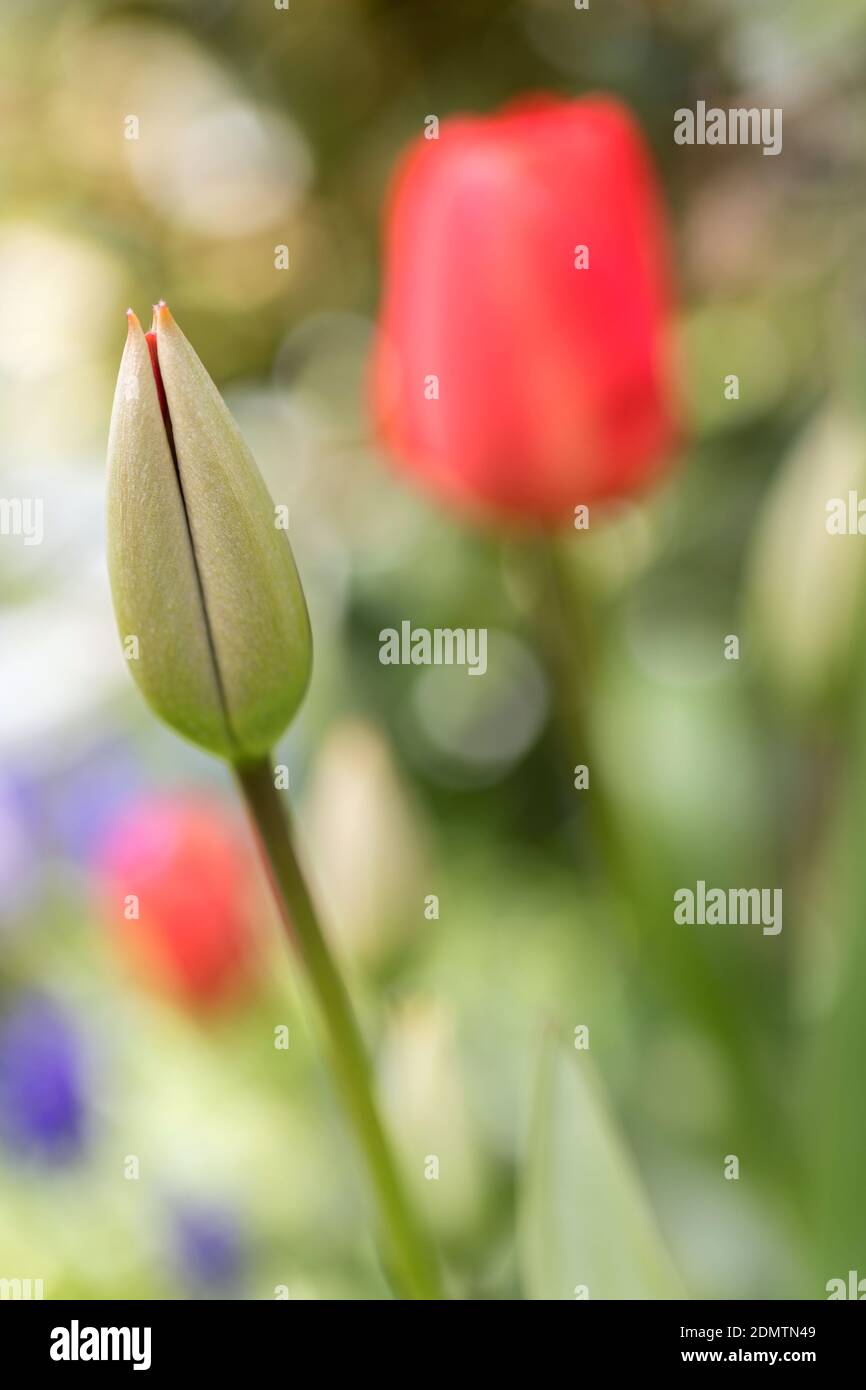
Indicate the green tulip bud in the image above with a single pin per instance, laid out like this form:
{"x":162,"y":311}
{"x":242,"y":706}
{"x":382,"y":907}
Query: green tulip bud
{"x":206,"y":594}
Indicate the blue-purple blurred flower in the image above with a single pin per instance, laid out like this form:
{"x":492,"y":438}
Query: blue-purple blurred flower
{"x":209,"y":1248}
{"x":17,"y":857}
{"x":86,"y":799}
{"x":42,"y":1102}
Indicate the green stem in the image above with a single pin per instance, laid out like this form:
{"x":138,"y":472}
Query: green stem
{"x":410,"y":1252}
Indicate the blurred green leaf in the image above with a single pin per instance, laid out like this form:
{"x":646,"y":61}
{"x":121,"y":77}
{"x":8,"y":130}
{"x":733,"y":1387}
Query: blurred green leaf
{"x":585,"y":1219}
{"x":839,"y":1137}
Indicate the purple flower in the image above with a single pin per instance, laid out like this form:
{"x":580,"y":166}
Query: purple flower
{"x":42,"y":1112}
{"x":17,"y":857}
{"x":83,"y":802}
{"x":209,"y":1248}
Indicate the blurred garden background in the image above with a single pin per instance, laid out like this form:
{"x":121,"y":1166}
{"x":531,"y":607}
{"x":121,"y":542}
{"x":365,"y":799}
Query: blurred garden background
{"x":166,"y":1127}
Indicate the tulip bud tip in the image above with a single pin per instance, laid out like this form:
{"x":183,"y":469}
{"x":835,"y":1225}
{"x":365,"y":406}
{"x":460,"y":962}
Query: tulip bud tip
{"x":161,"y":314}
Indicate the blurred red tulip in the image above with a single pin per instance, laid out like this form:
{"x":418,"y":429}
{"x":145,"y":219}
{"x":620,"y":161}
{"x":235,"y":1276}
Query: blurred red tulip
{"x":506,"y":376}
{"x":184,"y":867}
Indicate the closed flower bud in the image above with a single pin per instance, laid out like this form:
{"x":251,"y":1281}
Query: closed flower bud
{"x":206,"y":594}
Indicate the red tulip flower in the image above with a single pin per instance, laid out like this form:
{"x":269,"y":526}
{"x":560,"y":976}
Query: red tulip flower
{"x":180,"y":887}
{"x":524,"y":361}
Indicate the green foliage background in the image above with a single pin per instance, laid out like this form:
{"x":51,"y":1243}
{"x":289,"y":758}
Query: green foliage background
{"x":258,"y":128}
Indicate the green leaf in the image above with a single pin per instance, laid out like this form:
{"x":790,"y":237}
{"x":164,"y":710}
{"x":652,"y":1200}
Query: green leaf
{"x":585,"y":1219}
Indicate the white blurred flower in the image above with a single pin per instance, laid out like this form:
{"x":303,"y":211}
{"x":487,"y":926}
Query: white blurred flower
{"x":59,"y":292}
{"x":146,"y":99}
{"x":804,"y":584}
{"x":367,"y":842}
{"x":430,"y":1119}
{"x":225,"y":171}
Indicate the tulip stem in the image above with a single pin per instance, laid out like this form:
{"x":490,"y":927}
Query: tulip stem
{"x":410,"y":1251}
